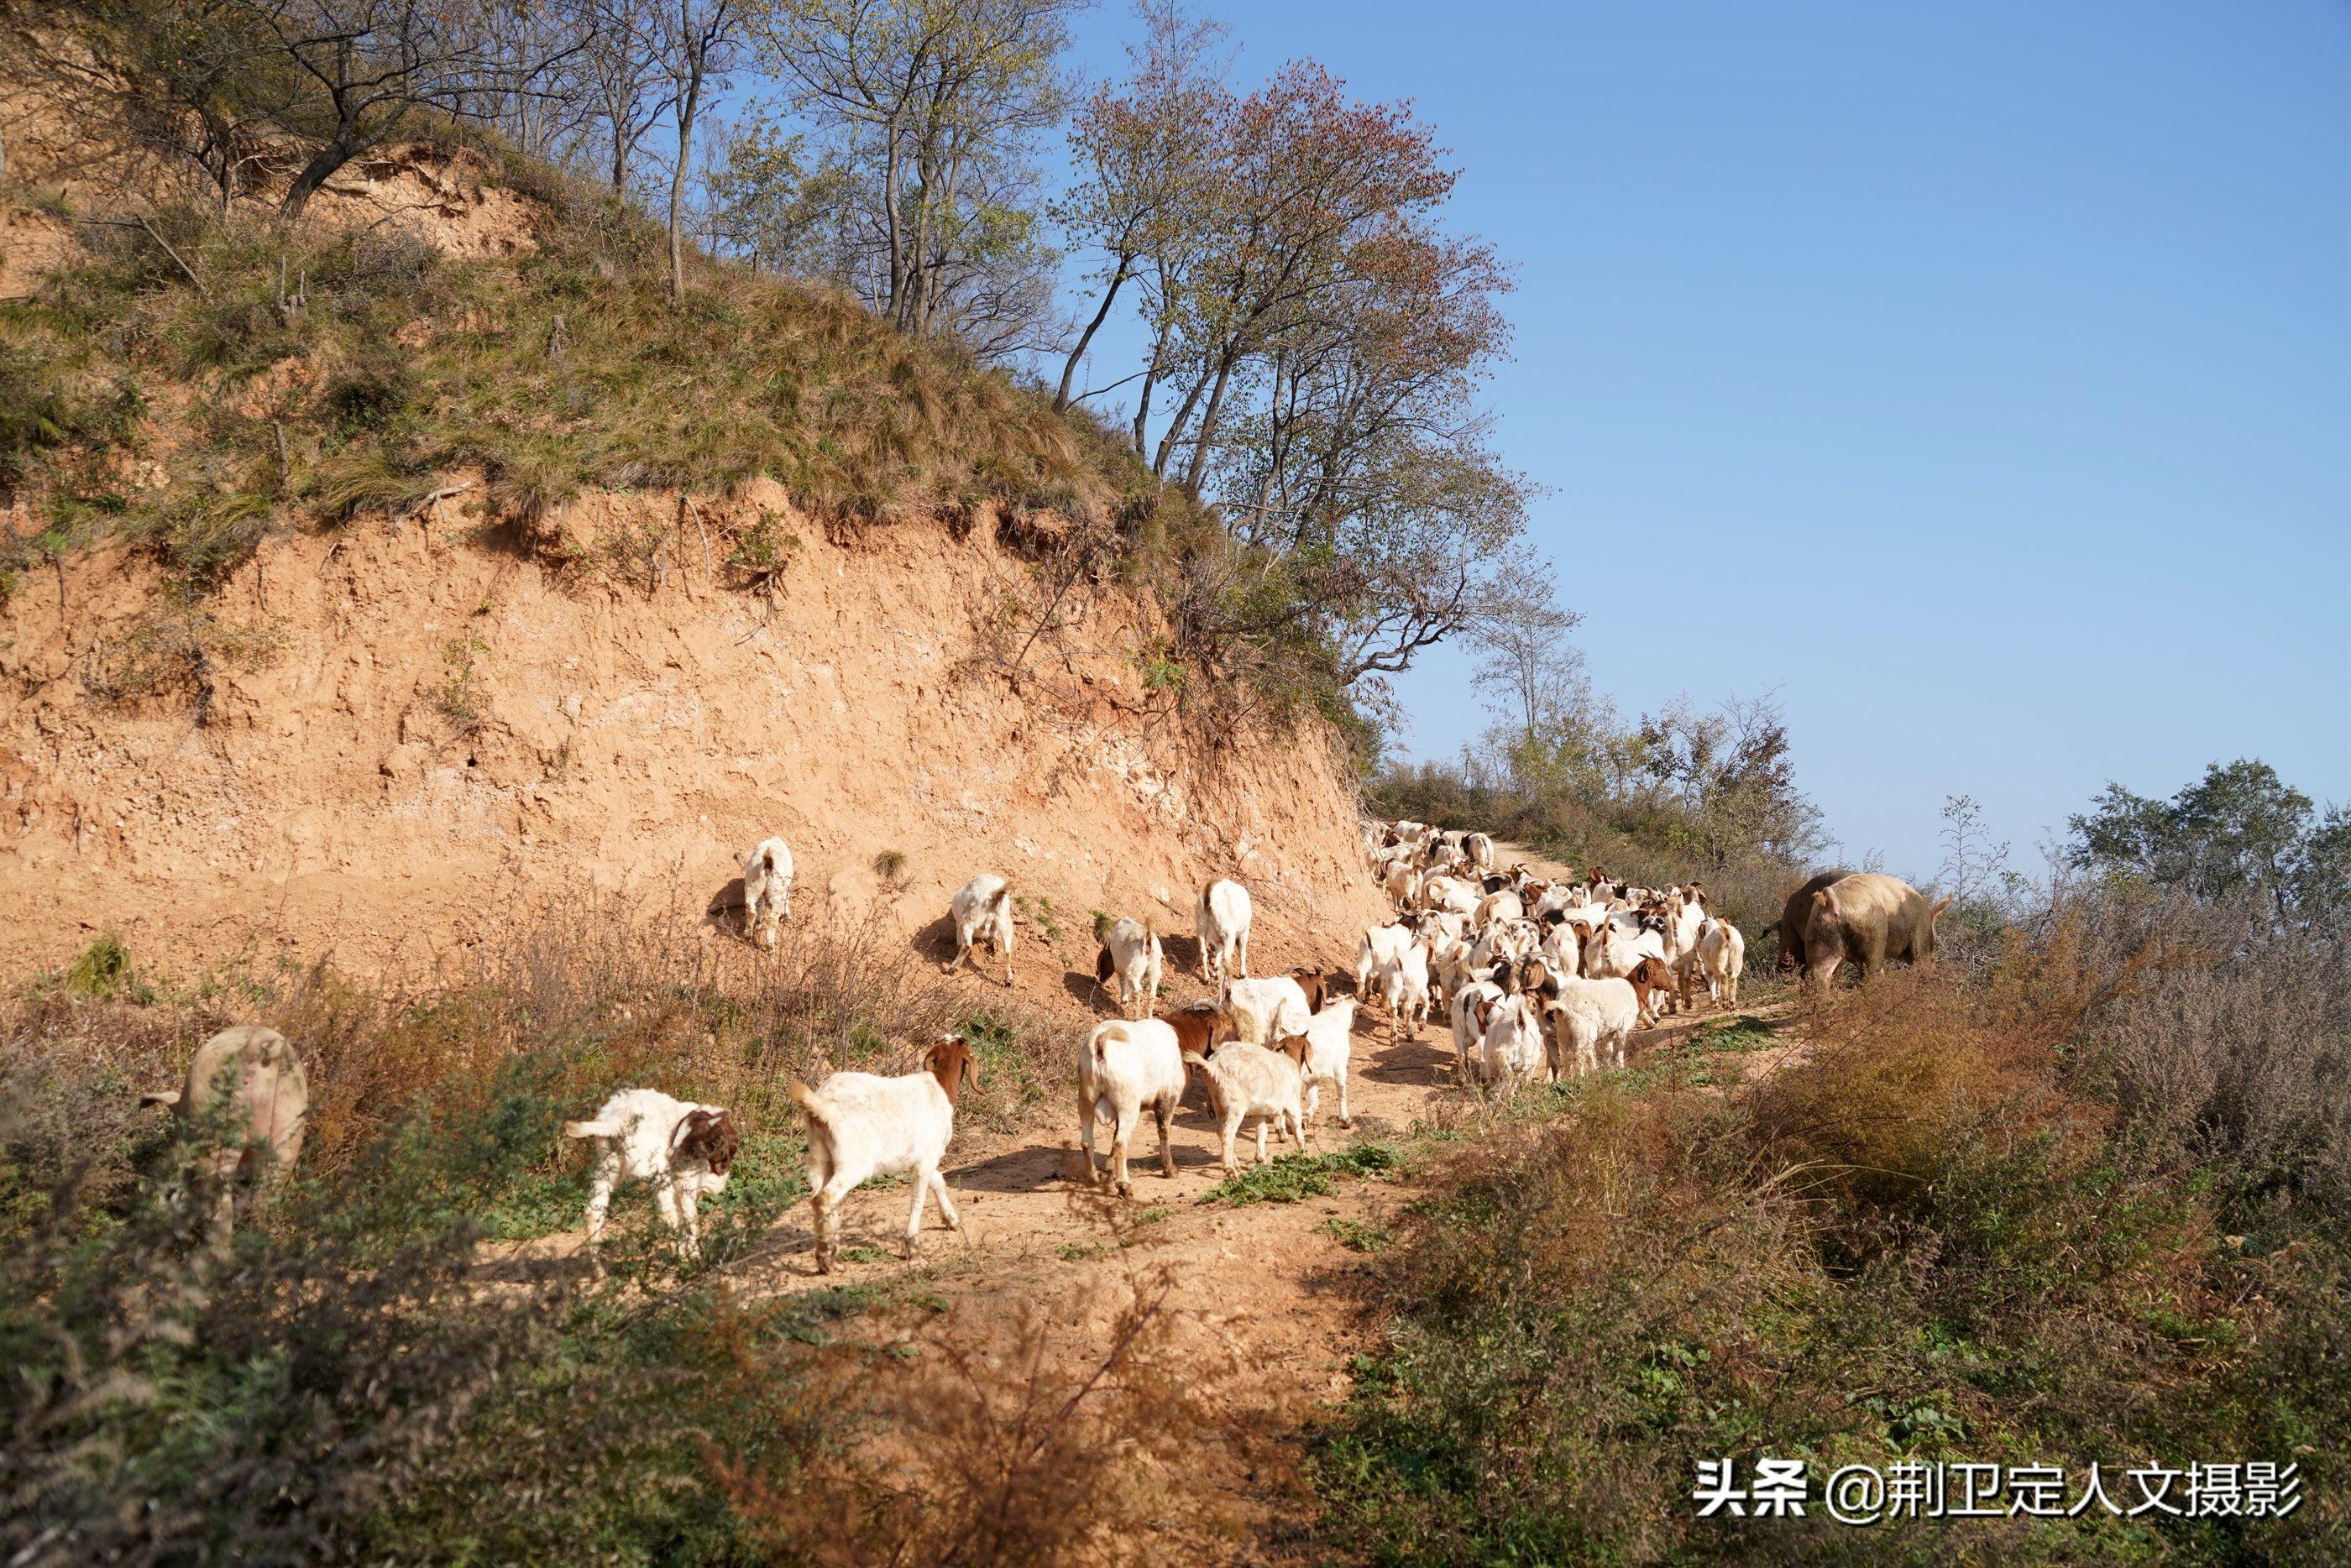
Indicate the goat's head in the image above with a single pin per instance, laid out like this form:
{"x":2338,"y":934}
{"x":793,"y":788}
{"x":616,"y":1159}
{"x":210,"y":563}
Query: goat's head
{"x":1316,"y":987}
{"x":950,"y":1061}
{"x":708,"y":1136}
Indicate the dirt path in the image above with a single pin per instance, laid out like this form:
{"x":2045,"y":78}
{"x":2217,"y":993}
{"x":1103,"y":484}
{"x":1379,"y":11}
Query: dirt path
{"x":1269,"y":1285}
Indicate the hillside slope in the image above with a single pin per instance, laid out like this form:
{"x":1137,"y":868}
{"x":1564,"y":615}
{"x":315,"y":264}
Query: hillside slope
{"x":433,"y":734}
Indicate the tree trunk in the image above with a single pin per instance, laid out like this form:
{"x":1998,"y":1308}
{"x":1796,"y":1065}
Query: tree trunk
{"x":1069,"y":368}
{"x":687,"y":104}
{"x":1175,"y":427}
{"x":1198,"y":470}
{"x":893,"y":176}
{"x":316,"y":173}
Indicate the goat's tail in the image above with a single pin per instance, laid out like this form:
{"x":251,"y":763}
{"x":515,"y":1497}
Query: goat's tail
{"x":593,"y":1130}
{"x":1104,"y":1035}
{"x":815,"y":1109}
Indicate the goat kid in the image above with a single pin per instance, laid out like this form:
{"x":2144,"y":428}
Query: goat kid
{"x":683,"y":1149}
{"x":864,"y":1125}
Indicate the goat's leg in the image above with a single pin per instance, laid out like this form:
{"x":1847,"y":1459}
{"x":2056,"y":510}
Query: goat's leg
{"x":1346,"y":1118}
{"x":947,"y":1205}
{"x":1120,"y":1136}
{"x":1164,"y":1113}
{"x":914,"y":1215}
{"x":1086,"y":1108}
{"x":600,"y":1198}
{"x":666,"y":1199}
{"x":826,"y":1201}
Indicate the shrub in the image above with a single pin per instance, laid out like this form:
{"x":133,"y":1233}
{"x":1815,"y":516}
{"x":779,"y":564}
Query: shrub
{"x":361,"y":1378}
{"x":1986,"y":1219}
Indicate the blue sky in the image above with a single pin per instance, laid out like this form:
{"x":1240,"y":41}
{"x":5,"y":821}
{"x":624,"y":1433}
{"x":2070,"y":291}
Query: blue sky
{"x":1978,"y":377}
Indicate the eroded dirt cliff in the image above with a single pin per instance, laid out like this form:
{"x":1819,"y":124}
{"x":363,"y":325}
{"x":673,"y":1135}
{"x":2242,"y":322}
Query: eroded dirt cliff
{"x":419,"y":735}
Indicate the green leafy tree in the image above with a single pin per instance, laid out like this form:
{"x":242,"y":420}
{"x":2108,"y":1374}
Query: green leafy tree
{"x":2239,"y":829}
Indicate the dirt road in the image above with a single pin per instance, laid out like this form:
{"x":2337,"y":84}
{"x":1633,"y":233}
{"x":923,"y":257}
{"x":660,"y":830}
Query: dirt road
{"x":1264,"y":1294}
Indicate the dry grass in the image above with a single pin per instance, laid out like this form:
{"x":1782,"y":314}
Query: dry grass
{"x":1966,"y":1227}
{"x":566,"y":369}
{"x":1029,"y":1449}
{"x":362,"y":1379}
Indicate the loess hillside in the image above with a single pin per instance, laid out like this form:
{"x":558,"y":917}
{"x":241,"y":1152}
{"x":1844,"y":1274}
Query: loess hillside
{"x":370,"y":586}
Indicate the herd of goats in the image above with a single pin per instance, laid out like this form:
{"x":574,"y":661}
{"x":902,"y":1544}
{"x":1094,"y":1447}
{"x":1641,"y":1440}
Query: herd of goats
{"x":1540,"y":979}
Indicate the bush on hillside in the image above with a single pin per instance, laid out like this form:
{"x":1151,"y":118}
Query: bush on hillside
{"x":366,"y":1375}
{"x":2087,"y":1207}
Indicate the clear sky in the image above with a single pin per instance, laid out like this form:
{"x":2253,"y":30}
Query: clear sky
{"x":1977,"y":375}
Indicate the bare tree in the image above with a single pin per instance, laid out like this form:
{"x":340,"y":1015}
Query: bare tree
{"x":372,"y":64}
{"x":193,"y":84}
{"x":1532,"y":676}
{"x":1147,"y":146}
{"x":941,"y":97}
{"x":622,"y":82}
{"x":699,"y":43}
{"x":535,"y":86}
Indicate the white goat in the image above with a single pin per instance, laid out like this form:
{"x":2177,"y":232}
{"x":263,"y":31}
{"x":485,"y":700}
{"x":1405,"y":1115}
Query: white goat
{"x":1329,"y":1036}
{"x":1511,"y":1039}
{"x":1131,"y":954}
{"x":767,"y":889}
{"x":1404,"y":988}
{"x":1450,"y":893}
{"x":983,"y":918}
{"x":1722,"y":957}
{"x":1479,"y":849}
{"x":1266,"y":1009}
{"x":1401,"y":881}
{"x":1221,"y":920}
{"x":1381,"y":944}
{"x":1615,"y":948}
{"x":1250,"y":1082}
{"x":1685,"y":918}
{"x":1469,"y":1030}
{"x":1591,"y":1016}
{"x":1449,"y":964}
{"x":1129,"y":1065}
{"x":1497,"y":908}
{"x":862,"y":1124}
{"x":684,"y":1149}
